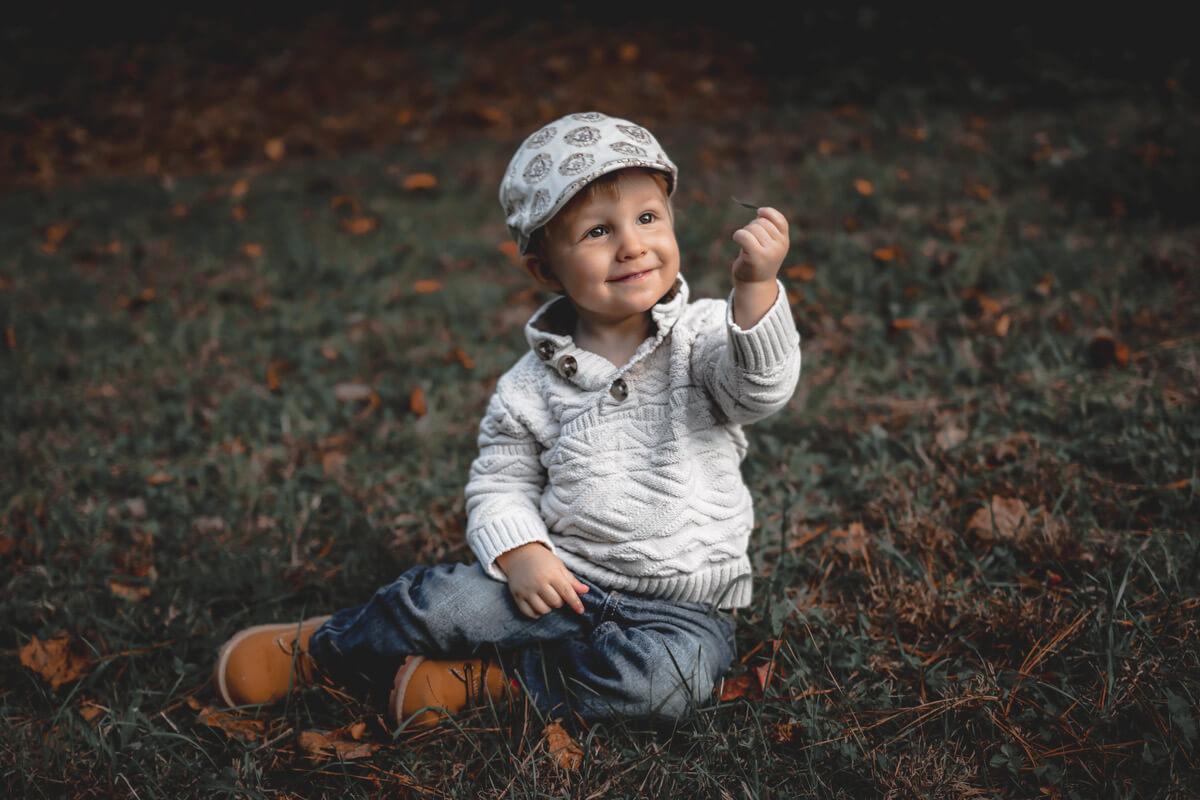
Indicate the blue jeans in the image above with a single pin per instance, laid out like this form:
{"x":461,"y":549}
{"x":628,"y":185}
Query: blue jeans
{"x":625,"y":656}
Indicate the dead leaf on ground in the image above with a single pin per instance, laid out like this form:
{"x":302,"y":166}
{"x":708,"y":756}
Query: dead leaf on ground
{"x":1005,"y":518}
{"x":416,"y":402}
{"x":351,"y":391}
{"x":428,"y":286}
{"x":343,"y":744}
{"x":890,"y":253}
{"x":239,"y":188}
{"x":804,"y":272}
{"x":746,"y":686}
{"x":461,"y":356}
{"x":1105,"y":349}
{"x":419,"y":181}
{"x":134,"y":591}
{"x":275,"y":149}
{"x":863,"y":187}
{"x":231,"y":723}
{"x":950,"y":434}
{"x":511,"y":250}
{"x":852,"y":541}
{"x":562,"y":749}
{"x":90,"y":709}
{"x":57,"y":660}
{"x":357,"y":226}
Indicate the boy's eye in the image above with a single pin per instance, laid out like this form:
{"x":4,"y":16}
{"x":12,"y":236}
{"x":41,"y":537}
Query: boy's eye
{"x":647,"y":217}
{"x":595,"y":232}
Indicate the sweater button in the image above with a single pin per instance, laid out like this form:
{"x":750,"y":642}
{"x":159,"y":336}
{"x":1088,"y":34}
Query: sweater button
{"x":545,"y":350}
{"x":567,"y":366}
{"x":619,"y":390}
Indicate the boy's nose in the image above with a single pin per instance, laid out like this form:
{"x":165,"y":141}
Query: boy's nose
{"x":631,"y":246}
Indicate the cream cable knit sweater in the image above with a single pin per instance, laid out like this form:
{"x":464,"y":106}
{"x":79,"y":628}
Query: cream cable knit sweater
{"x":631,"y":475}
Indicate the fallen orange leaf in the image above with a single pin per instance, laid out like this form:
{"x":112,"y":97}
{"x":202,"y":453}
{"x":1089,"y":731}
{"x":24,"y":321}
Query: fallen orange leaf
{"x":489,"y":114}
{"x":420,"y":180}
{"x":319,"y":746}
{"x":805,"y":271}
{"x":239,"y":188}
{"x":889,"y":253}
{"x":978,"y":191}
{"x":511,"y":250}
{"x":159,"y":478}
{"x":252,"y":249}
{"x":1106,"y":349}
{"x":56,"y":661}
{"x":416,"y":402}
{"x":629,"y":52}
{"x":351,"y":391}
{"x":274,"y":148}
{"x":564,"y":750}
{"x":427,"y":286}
{"x":229,"y":722}
{"x":742,"y":686}
{"x":10,"y":336}
{"x":903,"y":324}
{"x":461,"y":356}
{"x":863,"y":186}
{"x":357,"y":226}
{"x":1003,"y":324}
{"x":345,"y":199}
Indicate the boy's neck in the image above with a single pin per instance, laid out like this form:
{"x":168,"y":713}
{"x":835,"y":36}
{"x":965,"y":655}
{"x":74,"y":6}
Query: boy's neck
{"x":615,"y":340}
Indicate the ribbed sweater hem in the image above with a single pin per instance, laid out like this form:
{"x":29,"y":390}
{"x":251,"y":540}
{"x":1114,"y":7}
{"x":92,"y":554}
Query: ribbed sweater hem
{"x":725,"y":585}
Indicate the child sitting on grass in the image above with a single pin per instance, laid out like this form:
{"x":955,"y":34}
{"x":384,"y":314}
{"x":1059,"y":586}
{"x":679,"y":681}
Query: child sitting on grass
{"x":606,"y":507}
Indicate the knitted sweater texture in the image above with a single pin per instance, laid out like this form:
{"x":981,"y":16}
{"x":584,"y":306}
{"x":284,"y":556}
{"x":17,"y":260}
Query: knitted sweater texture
{"x":631,"y":475}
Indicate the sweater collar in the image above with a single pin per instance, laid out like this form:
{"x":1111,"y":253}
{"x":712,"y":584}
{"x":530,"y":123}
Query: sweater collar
{"x":550,"y":334}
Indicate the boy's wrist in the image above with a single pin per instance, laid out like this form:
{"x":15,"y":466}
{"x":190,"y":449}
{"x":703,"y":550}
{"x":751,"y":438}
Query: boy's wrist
{"x":516,"y":554}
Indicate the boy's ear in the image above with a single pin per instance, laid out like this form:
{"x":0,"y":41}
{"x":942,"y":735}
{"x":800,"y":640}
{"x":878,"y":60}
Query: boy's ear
{"x":540,"y":271}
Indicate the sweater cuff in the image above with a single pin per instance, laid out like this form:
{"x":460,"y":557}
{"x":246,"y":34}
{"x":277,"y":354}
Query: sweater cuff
{"x":501,"y":535}
{"x":769,"y":342}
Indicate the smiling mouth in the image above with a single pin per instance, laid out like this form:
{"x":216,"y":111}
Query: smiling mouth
{"x":633,"y":276}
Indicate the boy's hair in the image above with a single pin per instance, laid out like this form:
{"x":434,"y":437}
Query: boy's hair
{"x":608,"y":184}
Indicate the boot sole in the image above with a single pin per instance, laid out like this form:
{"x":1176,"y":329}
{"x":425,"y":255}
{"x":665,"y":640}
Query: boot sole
{"x":238,"y":638}
{"x":400,"y":685}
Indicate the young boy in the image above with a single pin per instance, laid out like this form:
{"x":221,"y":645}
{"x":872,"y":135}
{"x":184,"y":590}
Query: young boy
{"x":606,"y":506}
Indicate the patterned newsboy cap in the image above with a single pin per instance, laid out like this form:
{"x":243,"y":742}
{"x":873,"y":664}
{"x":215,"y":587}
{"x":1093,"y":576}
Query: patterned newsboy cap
{"x":561,"y":158}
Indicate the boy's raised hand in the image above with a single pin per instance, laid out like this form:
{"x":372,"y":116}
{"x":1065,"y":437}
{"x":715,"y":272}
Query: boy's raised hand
{"x":764,"y":243}
{"x":539,"y":581}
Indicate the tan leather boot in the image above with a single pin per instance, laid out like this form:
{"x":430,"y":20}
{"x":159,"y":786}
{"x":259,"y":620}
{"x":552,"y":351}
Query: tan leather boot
{"x":449,"y":686}
{"x":264,"y":663}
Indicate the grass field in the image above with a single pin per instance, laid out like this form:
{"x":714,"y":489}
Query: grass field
{"x":247,"y":396}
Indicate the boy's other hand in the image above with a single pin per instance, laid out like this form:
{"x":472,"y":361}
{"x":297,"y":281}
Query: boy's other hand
{"x":539,"y":581}
{"x":764,"y":244}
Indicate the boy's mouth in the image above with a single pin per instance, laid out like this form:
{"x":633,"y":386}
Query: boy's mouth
{"x":631,"y":276}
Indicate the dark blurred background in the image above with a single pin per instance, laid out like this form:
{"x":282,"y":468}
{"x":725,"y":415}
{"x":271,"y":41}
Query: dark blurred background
{"x":191,"y":87}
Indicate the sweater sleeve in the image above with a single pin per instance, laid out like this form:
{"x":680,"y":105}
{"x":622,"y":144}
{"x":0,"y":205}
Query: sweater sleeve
{"x":750,"y":373}
{"x":504,"y":490}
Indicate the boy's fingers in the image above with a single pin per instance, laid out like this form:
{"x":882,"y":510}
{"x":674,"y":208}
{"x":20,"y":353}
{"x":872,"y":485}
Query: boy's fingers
{"x":778,"y":220}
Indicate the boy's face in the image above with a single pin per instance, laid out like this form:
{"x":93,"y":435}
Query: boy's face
{"x":613,"y":254}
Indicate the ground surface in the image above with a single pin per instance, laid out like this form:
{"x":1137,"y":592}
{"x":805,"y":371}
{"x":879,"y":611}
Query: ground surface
{"x":254,"y":295}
